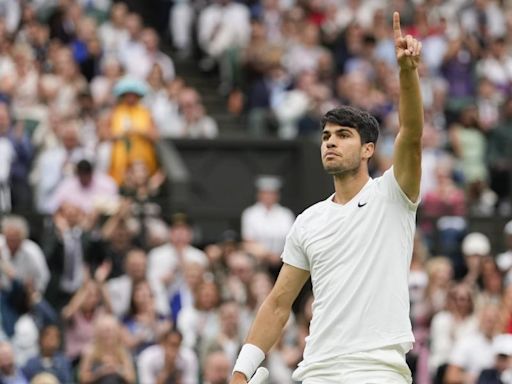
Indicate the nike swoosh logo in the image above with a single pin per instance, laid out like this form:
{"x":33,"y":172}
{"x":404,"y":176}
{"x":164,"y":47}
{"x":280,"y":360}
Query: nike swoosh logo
{"x":361,"y":204}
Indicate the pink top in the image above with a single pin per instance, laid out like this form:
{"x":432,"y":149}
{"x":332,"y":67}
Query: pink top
{"x":79,"y":332}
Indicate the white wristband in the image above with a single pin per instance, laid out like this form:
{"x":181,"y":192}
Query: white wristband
{"x":249,"y":360}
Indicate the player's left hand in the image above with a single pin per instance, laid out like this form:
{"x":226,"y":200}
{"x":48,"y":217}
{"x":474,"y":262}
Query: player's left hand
{"x":407,"y":48}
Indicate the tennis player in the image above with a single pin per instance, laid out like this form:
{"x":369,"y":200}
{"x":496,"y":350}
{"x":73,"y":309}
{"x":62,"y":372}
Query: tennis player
{"x":356,"y":246}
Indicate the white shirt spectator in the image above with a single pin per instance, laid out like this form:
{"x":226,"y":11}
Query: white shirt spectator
{"x":151,"y":362}
{"x":268,"y":227}
{"x":473,"y":354}
{"x":120,"y":292}
{"x":164,"y":260}
{"x":223,"y":27}
{"x":444,"y":334}
{"x":7,"y":155}
{"x":28,"y":262}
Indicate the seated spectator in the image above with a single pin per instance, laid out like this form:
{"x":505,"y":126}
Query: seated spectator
{"x":165,"y":109}
{"x":474,"y":353}
{"x":9,"y":372}
{"x":56,"y":163}
{"x":88,"y":189}
{"x":50,"y":358}
{"x":230,"y":337}
{"x":440,"y":274}
{"x":475,"y":248}
{"x":217,"y":368}
{"x":45,"y":378}
{"x":80,"y":315}
{"x":200,"y":322}
{"x":502,"y":347}
{"x":266,"y":223}
{"x":143,"y":324}
{"x":168,"y":360}
{"x":25,"y":256}
{"x":223,"y":28}
{"x":102,"y":84}
{"x":132,"y":130}
{"x":120,"y":288}
{"x":166,"y":263}
{"x":16,"y":157}
{"x":469,"y":146}
{"x":450,"y":326}
{"x":106,"y":359}
{"x":194,"y":122}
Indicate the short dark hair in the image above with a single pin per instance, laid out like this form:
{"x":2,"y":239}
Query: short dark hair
{"x":361,"y":121}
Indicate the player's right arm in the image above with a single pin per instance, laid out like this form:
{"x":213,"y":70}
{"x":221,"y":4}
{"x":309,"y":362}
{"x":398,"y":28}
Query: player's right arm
{"x":274,"y":312}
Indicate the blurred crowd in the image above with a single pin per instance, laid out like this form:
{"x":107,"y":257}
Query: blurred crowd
{"x":116,"y":290}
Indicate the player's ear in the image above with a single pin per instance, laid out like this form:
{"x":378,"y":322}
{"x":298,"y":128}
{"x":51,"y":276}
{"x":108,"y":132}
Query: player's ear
{"x":368,"y":150}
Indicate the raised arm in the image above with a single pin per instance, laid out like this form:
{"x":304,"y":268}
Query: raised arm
{"x":273,"y":313}
{"x":407,"y":155}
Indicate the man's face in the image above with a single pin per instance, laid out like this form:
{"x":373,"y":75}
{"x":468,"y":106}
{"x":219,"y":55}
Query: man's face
{"x":342,"y":150}
{"x":13,"y":238}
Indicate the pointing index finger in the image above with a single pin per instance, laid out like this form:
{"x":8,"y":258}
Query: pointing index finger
{"x":397,"y":32}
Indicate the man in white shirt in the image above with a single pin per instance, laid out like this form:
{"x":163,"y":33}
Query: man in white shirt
{"x":356,"y":246}
{"x":475,"y":352}
{"x":266,"y":223}
{"x":25,"y":256}
{"x":166,"y":360}
{"x":166,"y":263}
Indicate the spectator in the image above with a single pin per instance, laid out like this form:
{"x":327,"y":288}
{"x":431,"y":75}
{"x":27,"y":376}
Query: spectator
{"x":88,"y":190}
{"x":120,"y":288}
{"x":26,"y":256}
{"x":55,"y":164}
{"x":223,"y":29}
{"x":502,"y":347}
{"x":132,"y":130}
{"x":16,"y":160}
{"x":470,"y":146}
{"x":67,"y":249}
{"x":143,"y":324}
{"x":106,"y":359}
{"x":200,"y":322}
{"x":9,"y":372}
{"x":266,"y":223}
{"x":230,"y":337}
{"x":450,"y":326}
{"x":217,"y":368}
{"x":50,"y":359}
{"x":80,"y":315}
{"x":475,"y":247}
{"x":168,"y":360}
{"x":194,"y":122}
{"x":474,"y":353}
{"x":166,"y":263}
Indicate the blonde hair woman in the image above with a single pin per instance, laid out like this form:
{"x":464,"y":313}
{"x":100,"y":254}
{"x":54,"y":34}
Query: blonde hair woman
{"x":106,"y":359}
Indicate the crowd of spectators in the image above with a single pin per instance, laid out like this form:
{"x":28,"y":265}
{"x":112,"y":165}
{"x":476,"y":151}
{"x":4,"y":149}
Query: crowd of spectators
{"x":115,"y":290}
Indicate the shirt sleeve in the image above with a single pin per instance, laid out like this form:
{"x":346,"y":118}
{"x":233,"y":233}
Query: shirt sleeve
{"x":389,"y":187}
{"x":293,"y":253}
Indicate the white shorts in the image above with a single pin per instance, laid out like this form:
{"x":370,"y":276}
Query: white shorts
{"x":379,"y":366}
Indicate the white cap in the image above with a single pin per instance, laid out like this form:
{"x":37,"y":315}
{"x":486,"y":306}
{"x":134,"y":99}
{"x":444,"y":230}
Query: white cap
{"x":502,"y":344}
{"x":268,"y":183}
{"x":507,"y":230}
{"x":476,"y":244}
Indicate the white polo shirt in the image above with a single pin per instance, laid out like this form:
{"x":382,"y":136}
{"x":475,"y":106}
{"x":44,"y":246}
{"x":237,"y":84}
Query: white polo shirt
{"x":358,"y":255}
